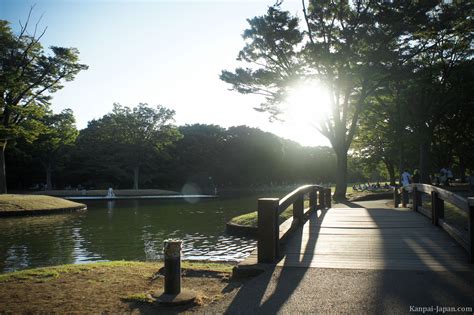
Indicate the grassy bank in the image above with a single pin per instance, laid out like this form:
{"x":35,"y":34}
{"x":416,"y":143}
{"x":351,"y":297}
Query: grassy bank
{"x":112,"y":287}
{"x":250,"y":219}
{"x":34,"y":204}
{"x":103,"y":192}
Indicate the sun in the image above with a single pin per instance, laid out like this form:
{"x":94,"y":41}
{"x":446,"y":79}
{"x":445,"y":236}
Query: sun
{"x":307,"y":104}
{"x":309,"y":101}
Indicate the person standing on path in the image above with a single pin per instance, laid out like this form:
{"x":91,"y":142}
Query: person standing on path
{"x":406,"y":178}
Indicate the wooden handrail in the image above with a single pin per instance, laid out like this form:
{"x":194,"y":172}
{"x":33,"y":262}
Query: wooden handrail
{"x":289,"y":199}
{"x":438,"y":197}
{"x":268,"y":232}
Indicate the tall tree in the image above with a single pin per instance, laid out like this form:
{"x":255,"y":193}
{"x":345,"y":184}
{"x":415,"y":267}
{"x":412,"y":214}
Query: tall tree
{"x":134,"y":135}
{"x":342,"y":47}
{"x":59,"y":133}
{"x":28,"y":77}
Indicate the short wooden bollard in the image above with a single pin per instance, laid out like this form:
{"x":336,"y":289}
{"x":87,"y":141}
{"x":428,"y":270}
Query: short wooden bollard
{"x":172,"y":253}
{"x":173,"y":295}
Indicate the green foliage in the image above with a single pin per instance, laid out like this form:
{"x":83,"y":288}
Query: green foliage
{"x":135,"y":136}
{"x":390,"y":63}
{"x":419,"y":112}
{"x":243,"y":157}
{"x":343,"y":47}
{"x":28,"y":78}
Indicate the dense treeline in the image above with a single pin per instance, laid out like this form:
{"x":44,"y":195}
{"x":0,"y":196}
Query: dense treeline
{"x":207,"y":155}
{"x":400,"y":76}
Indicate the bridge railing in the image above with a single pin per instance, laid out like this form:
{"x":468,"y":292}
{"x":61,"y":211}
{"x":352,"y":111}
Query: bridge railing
{"x":436,"y":213}
{"x":269,"y":210}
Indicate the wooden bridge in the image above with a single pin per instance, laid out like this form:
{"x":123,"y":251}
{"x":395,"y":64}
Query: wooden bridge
{"x":370,"y":237}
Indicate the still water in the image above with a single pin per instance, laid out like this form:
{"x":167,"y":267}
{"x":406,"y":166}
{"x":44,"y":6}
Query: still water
{"x":125,"y":229}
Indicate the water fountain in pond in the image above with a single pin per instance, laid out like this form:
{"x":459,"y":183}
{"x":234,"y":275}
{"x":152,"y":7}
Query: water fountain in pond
{"x":110,"y":193}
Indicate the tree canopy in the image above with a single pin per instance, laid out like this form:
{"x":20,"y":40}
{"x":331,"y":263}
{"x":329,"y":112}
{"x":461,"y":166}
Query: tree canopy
{"x":129,"y":137}
{"x":353,"y":48}
{"x":29,"y":76}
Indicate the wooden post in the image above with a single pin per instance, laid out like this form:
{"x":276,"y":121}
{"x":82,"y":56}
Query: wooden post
{"x":470,"y":228}
{"x":396,"y":197}
{"x":321,"y":199}
{"x":437,"y":208}
{"x":267,"y":232}
{"x":313,"y":202}
{"x":298,"y":209}
{"x":414,"y":202}
{"x":404,"y":197}
{"x":172,"y":253}
{"x":328,"y":197}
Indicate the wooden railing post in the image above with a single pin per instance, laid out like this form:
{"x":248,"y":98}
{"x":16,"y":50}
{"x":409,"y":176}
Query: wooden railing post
{"x":414,"y":202}
{"x":313,"y":205}
{"x":328,"y":197}
{"x":470,"y":227}
{"x":321,"y":199}
{"x":404,"y":197}
{"x":437,"y":208}
{"x":298,"y":209}
{"x":268,"y":230}
{"x":396,"y":197}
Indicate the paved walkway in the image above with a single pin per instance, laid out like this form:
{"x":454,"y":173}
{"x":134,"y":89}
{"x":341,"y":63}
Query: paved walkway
{"x":363,"y":258}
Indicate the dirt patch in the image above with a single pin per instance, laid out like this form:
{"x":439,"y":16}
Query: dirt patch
{"x":115,"y":287}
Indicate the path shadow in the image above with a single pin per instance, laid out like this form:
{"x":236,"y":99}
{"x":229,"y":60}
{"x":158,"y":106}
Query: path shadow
{"x":269,"y":291}
{"x":349,"y":204}
{"x":414,"y":251}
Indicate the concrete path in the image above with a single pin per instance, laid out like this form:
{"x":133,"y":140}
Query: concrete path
{"x":360,"y":259}
{"x":294,"y":290}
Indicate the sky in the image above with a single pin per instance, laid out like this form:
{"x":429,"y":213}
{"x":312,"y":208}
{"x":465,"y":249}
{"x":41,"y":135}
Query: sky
{"x":158,"y":52}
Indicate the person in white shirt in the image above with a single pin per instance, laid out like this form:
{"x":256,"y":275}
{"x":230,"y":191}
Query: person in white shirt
{"x":406,"y":178}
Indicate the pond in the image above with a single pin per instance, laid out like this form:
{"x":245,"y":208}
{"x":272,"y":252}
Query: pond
{"x":125,"y":229}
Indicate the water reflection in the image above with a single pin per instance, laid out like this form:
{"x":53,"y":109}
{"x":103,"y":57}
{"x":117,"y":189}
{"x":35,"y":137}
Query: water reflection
{"x":125,"y":229}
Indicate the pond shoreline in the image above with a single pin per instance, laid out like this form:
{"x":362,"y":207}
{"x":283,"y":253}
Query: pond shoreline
{"x":12,"y":205}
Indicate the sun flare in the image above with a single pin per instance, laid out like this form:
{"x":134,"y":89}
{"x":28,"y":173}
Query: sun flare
{"x":307,"y":104}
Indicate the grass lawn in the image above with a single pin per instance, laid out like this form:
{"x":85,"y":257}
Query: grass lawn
{"x":250,"y":219}
{"x":28,"y":203}
{"x":107,"y":287}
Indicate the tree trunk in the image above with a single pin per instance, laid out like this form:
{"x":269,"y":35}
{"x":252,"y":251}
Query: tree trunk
{"x":390,"y":170}
{"x":341,"y":175}
{"x":3,"y":174}
{"x":424,"y":174}
{"x":49,"y":183}
{"x":136,"y":173}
